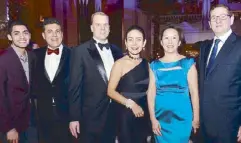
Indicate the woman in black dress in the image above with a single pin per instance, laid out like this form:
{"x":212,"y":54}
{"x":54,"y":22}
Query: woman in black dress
{"x":128,"y":85}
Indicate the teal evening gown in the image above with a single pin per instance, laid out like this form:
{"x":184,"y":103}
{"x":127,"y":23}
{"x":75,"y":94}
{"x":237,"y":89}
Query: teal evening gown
{"x":173,"y":107}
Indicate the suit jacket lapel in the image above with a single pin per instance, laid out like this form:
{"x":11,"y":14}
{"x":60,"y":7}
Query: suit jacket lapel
{"x":206,"y":48}
{"x":30,"y":66}
{"x":114,"y":53}
{"x":226,"y":48}
{"x":61,"y":63}
{"x":94,"y":53}
{"x":19,"y":65}
{"x":43,"y":60}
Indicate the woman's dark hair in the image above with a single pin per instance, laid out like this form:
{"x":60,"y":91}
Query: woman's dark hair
{"x":180,"y":35}
{"x":138,"y":28}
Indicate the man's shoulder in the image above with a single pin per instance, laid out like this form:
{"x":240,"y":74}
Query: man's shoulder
{"x":68,"y":49}
{"x":205,"y":41}
{"x":6,"y":52}
{"x":116,"y":48}
{"x":39,"y":50}
{"x":238,"y":37}
{"x":6,"y":56}
{"x":3,"y":52}
{"x":82,"y":46}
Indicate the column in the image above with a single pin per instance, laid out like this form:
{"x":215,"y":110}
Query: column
{"x":205,"y":14}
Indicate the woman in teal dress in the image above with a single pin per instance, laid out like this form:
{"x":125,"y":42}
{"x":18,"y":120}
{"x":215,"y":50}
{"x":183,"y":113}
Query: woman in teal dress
{"x":172,"y":78}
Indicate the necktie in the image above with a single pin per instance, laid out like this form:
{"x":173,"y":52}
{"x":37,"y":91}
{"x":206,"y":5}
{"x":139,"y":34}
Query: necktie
{"x":55,"y":51}
{"x":213,"y":55}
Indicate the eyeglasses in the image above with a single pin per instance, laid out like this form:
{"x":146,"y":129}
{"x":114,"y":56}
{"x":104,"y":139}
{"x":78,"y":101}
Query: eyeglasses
{"x":221,"y":17}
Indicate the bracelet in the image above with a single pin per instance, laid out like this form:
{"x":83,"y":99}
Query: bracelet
{"x":129,"y":103}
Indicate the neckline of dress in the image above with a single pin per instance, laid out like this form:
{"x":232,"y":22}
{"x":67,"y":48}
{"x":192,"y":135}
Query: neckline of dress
{"x":171,"y":62}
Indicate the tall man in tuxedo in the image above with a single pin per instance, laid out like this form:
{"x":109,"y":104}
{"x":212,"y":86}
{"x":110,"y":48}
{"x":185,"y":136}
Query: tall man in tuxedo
{"x":91,"y":111}
{"x":16,"y":104}
{"x":220,"y":80}
{"x":51,"y":85}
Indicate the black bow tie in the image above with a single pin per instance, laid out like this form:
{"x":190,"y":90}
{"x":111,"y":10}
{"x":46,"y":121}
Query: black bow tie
{"x":107,"y":46}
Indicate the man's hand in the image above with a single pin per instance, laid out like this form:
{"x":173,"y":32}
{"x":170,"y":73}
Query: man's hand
{"x":12,"y":136}
{"x":239,"y":135}
{"x":74,"y":128}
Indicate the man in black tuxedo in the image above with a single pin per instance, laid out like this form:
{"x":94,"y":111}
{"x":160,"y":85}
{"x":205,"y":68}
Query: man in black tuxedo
{"x":16,"y":104}
{"x":91,"y":111}
{"x":51,"y":85}
{"x":220,"y":80}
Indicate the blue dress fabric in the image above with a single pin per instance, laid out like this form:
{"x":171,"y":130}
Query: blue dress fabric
{"x":173,"y":107}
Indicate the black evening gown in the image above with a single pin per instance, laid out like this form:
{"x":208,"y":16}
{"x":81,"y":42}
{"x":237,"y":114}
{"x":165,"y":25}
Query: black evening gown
{"x":133,"y":85}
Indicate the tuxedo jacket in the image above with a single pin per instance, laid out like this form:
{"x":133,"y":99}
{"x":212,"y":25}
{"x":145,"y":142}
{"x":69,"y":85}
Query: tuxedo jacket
{"x":15,"y":91}
{"x":220,"y":88}
{"x":88,"y":98}
{"x":46,"y":91}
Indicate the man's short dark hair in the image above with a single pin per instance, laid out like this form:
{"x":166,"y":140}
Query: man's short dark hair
{"x":51,"y":20}
{"x":15,"y":23}
{"x":220,"y":5}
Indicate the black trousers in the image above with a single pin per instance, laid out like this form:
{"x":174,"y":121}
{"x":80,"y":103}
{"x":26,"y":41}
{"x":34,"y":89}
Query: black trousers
{"x":107,"y":135}
{"x":54,"y":132}
{"x":219,"y":135}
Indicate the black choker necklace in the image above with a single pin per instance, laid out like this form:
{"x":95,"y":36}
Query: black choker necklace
{"x":134,"y":58}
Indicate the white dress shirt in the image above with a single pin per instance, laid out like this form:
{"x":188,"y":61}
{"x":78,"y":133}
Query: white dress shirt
{"x":52,"y":63}
{"x":106,"y":56}
{"x":220,"y":44}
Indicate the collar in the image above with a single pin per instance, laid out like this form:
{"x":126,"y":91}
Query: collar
{"x":19,"y":53}
{"x":98,"y":41}
{"x":224,"y":37}
{"x":60,"y":48}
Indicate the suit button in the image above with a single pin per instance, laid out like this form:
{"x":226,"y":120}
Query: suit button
{"x":53,"y":85}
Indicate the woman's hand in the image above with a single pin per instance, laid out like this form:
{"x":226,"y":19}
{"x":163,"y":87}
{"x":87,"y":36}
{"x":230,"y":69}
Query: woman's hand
{"x":156,"y":127}
{"x":137,"y":110}
{"x":195,"y":125}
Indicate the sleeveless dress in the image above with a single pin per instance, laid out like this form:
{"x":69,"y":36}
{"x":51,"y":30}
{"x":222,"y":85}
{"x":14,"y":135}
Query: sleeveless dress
{"x":172,"y":103}
{"x":133,"y":85}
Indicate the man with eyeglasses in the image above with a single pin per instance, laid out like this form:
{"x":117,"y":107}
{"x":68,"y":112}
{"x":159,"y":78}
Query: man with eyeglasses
{"x":220,"y":80}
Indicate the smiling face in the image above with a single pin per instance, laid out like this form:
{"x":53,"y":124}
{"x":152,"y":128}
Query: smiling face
{"x":220,"y":20}
{"x":53,"y":35}
{"x":170,"y":41}
{"x":135,"y":42}
{"x":19,"y":36}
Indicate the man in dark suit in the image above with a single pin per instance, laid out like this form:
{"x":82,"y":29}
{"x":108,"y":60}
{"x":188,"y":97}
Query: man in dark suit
{"x":51,"y":85}
{"x":91,"y":111}
{"x":16,"y":66}
{"x":220,"y":80}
